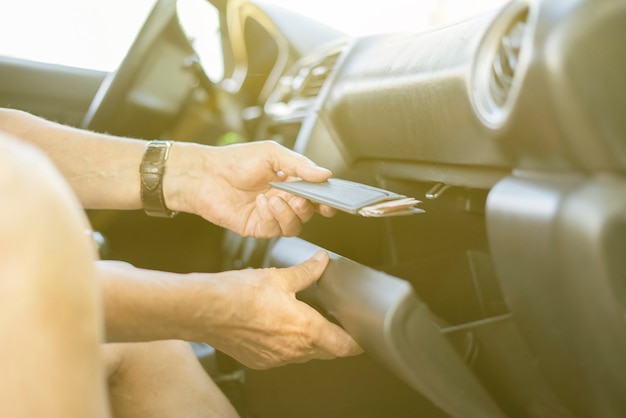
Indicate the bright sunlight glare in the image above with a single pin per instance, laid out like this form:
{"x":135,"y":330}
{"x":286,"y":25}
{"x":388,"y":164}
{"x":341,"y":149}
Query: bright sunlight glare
{"x":80,"y":33}
{"x":97,"y":34}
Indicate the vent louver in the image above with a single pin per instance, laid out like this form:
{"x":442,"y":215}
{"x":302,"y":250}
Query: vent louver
{"x":506,"y":59}
{"x":299,"y":88}
{"x":316,"y":76}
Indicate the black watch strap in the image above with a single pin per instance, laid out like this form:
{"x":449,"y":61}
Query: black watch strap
{"x":151,"y":170}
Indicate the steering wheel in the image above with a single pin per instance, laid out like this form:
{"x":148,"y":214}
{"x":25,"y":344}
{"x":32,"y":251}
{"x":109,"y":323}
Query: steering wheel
{"x":104,"y":112}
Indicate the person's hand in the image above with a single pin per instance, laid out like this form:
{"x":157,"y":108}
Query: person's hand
{"x":229,"y":186}
{"x":252,"y":315}
{"x":262,"y":324}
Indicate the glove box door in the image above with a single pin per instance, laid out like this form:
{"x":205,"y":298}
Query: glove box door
{"x":387,"y":318}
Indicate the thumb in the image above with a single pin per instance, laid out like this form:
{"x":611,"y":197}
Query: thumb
{"x":297,"y":165}
{"x":301,"y":276}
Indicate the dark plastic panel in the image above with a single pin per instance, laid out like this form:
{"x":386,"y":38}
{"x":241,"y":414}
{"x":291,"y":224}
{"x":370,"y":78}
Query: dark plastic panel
{"x":558,"y":246}
{"x":412,"y":97}
{"x":55,"y":92}
{"x":395,"y":327}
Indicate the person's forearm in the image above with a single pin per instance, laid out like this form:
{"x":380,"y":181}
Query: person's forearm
{"x":252,"y":315}
{"x":102,"y":170}
{"x":146,"y":305}
{"x":228,"y":186}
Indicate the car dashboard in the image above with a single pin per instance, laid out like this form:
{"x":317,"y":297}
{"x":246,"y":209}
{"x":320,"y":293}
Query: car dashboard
{"x":506,"y":297}
{"x":507,"y":292}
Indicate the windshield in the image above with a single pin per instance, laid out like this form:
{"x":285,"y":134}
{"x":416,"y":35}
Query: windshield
{"x":365,"y":17}
{"x":79,"y":33}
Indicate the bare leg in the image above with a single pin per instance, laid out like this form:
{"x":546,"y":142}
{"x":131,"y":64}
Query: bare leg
{"x":161,"y":379}
{"x":50,"y":321}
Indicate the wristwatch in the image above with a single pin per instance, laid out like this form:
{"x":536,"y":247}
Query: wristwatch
{"x":151,"y":170}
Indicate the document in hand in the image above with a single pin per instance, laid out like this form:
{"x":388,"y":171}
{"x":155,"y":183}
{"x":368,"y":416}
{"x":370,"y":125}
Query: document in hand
{"x":351,"y":197}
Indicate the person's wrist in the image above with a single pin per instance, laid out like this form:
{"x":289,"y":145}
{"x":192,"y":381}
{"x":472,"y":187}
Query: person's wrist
{"x":185,"y":174}
{"x":152,"y":170}
{"x":197,"y":320}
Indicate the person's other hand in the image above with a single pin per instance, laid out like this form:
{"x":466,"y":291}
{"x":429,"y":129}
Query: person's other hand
{"x":262,"y":324}
{"x":229,"y":186}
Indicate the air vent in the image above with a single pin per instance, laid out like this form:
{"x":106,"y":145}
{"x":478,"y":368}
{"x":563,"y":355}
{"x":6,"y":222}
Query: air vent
{"x":506,"y":59}
{"x":501,"y":62}
{"x":297,"y":90}
{"x":316,"y":76}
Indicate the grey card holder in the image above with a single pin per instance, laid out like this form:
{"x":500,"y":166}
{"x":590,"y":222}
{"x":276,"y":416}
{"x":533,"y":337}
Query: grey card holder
{"x":352,"y":197}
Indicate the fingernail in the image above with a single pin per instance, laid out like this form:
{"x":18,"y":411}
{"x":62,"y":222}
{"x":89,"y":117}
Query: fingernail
{"x":278,"y":204}
{"x":319,"y":255}
{"x":261,"y":200}
{"x":323,"y":169}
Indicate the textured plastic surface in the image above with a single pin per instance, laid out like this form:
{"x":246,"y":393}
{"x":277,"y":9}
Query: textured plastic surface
{"x":558,"y":245}
{"x":395,"y":327}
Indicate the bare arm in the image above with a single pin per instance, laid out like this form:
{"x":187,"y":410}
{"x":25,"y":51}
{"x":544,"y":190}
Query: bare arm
{"x":252,"y":315}
{"x":102,"y":170}
{"x":228,"y":186}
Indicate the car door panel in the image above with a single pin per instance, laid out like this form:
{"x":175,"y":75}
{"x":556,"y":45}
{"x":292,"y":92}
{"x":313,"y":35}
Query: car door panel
{"x":52,"y":91}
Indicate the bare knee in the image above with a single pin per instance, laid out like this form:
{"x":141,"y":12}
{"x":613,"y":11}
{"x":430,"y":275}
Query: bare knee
{"x":38,"y":212}
{"x":164,"y":377}
{"x":38,"y":207}
{"x":122,"y":359}
{"x":50,"y":288}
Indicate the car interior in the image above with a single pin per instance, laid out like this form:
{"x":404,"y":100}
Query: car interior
{"x":505,"y":298}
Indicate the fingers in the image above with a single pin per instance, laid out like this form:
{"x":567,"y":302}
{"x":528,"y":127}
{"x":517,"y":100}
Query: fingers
{"x":303,"y":275}
{"x":310,"y":171}
{"x":330,"y":340}
{"x":279,"y":217}
{"x":268,"y":225}
{"x":288,"y":222}
{"x":300,"y":334}
{"x":326,"y":211}
{"x":335,"y":341}
{"x":302,"y":207}
{"x":290,"y":211}
{"x":276,"y":217}
{"x":305,"y":209}
{"x":294,"y":164}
